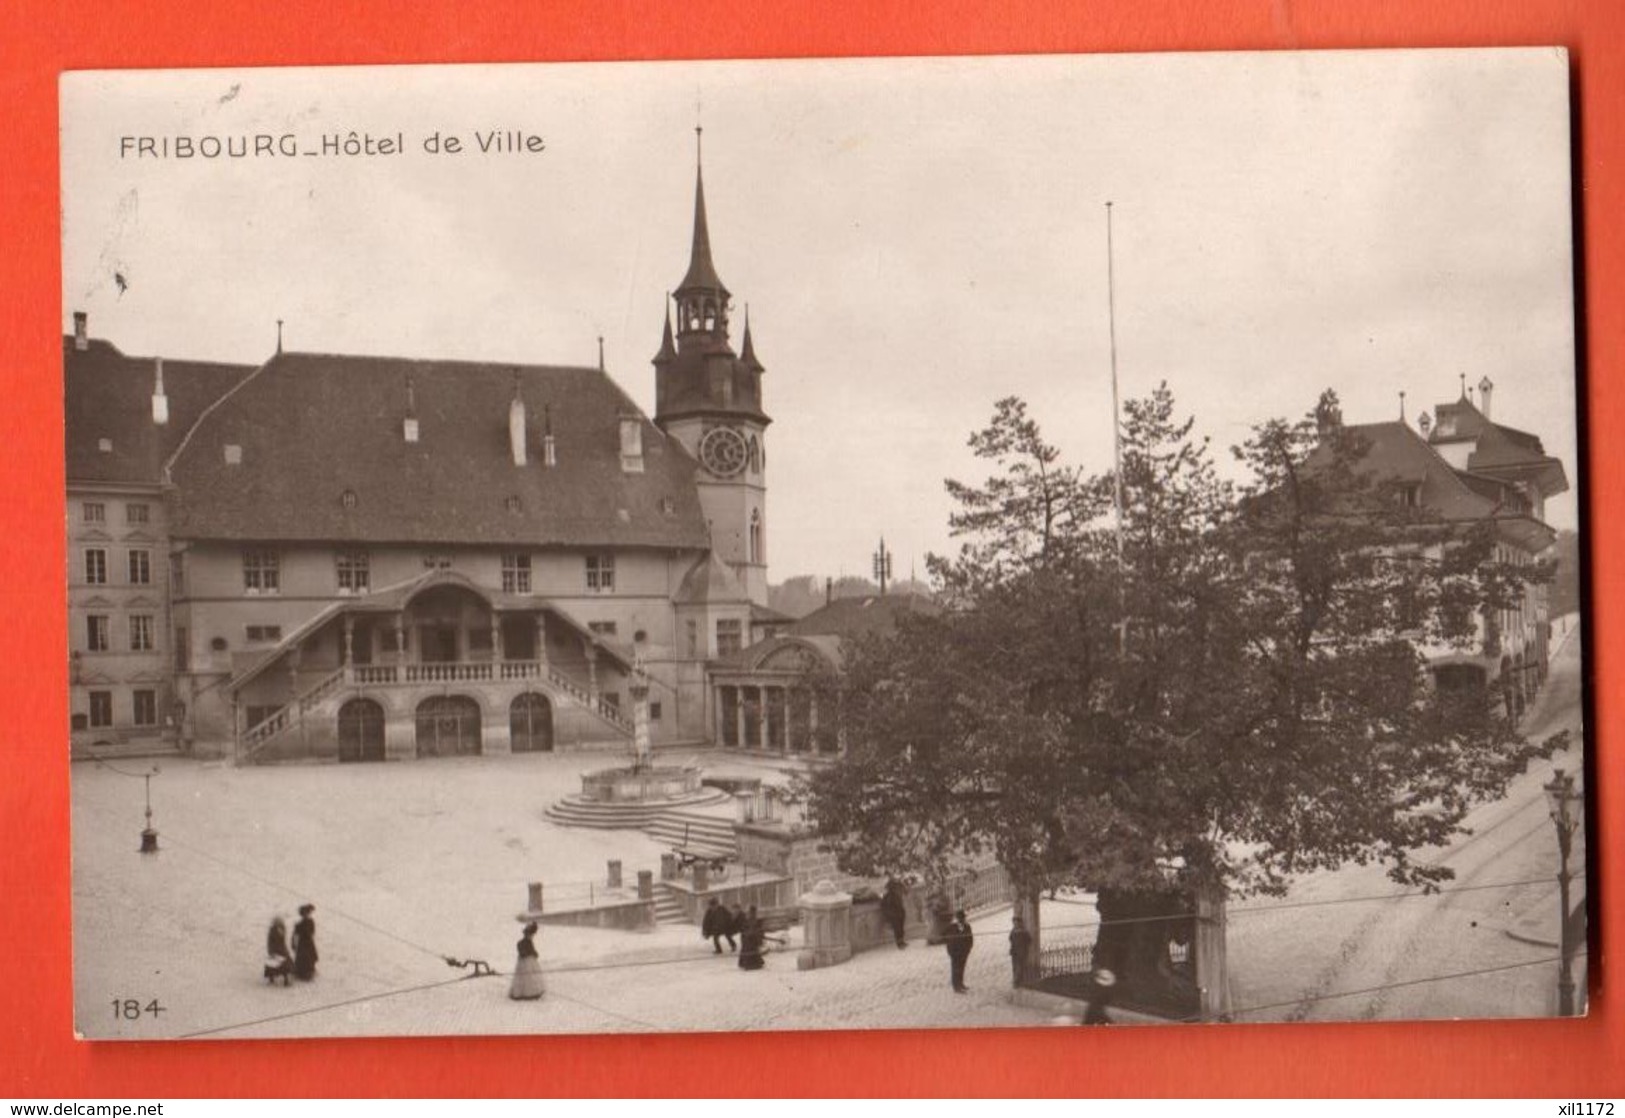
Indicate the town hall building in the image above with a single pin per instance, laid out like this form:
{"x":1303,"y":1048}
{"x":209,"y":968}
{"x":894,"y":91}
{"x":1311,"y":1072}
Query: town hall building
{"x":367,"y":558}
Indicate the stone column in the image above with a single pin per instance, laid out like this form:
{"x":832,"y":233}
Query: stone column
{"x":744,"y":806}
{"x":784,"y":719}
{"x":668,"y":867}
{"x":812,"y":722}
{"x":761,"y":717}
{"x":739,"y":716}
{"x":592,"y":672}
{"x":826,"y":927}
{"x":496,"y":637}
{"x":535,"y":901}
{"x":400,"y":637}
{"x":541,"y":640}
{"x":347,"y":655}
{"x":702,"y":876}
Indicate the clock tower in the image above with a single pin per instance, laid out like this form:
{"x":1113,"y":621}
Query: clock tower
{"x":710,"y":400}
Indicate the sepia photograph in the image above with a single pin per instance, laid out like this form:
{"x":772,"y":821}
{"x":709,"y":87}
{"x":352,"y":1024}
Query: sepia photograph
{"x":828,"y":544}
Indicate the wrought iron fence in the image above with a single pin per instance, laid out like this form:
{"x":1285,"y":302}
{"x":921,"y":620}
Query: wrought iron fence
{"x":1066,"y":957}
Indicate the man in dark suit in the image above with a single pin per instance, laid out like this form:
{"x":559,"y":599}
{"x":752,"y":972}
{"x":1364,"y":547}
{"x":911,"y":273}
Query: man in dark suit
{"x":959,"y":942}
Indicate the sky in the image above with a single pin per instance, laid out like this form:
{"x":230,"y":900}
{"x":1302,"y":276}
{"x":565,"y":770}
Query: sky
{"x":914,"y":239}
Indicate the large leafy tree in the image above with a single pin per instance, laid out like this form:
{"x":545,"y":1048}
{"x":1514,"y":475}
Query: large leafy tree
{"x":1229,"y":690}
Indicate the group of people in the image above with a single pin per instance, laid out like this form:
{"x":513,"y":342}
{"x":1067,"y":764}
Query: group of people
{"x":287,"y":959}
{"x":722,"y":923}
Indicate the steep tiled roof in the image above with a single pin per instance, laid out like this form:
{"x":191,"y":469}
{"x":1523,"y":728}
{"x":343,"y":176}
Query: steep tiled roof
{"x":1394,"y":450}
{"x":855,"y":617}
{"x":311,"y":427}
{"x":1497,"y":448}
{"x":108,"y":395}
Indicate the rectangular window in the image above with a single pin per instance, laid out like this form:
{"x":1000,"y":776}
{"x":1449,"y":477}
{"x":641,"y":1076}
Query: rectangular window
{"x":96,"y":565}
{"x":516,"y":574}
{"x":146,"y":708}
{"x":183,"y":651}
{"x":262,"y":572}
{"x":264,"y":632}
{"x":140,"y":566}
{"x":101,"y":708}
{"x":601,"y":573}
{"x":95,"y":512}
{"x":96,"y":630}
{"x":135,"y":514}
{"x":730,"y":636}
{"x":602,"y":628}
{"x":140,"y":632}
{"x":354,"y":572}
{"x":654,"y":712}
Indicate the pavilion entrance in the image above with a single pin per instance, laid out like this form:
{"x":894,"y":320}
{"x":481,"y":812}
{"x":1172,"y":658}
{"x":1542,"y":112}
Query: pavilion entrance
{"x":530,"y":724}
{"x":448,"y":726}
{"x":361,"y":731}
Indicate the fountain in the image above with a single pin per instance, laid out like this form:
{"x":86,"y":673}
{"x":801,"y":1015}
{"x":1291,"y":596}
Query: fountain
{"x":635,"y":794}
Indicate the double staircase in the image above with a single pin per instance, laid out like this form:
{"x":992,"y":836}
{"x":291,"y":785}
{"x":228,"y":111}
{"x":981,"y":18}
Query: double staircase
{"x":258,"y":742}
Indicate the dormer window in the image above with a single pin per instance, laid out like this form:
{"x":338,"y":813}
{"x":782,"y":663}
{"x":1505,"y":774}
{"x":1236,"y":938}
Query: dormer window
{"x":631,"y":445}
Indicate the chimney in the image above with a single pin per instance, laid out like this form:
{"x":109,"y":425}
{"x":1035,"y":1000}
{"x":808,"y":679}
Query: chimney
{"x":160,"y":402}
{"x":81,"y":330}
{"x":550,"y":457}
{"x":1485,"y":387}
{"x":516,"y":423}
{"x":409,"y":427}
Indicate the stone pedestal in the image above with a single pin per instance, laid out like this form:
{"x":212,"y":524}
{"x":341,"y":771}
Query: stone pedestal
{"x":535,"y":898}
{"x":744,"y":807}
{"x":702,"y":877}
{"x":668,"y":867}
{"x":826,"y":927}
{"x":646,"y":884}
{"x":615,"y":873}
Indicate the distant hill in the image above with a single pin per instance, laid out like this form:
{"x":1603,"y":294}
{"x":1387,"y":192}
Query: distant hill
{"x":800,"y":595}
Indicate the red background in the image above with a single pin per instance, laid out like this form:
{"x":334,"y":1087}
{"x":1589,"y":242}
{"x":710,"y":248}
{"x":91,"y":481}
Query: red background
{"x":38,"y":1055}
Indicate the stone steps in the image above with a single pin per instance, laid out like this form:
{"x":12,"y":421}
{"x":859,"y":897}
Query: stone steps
{"x":668,"y":909}
{"x":575,"y":811}
{"x":708,"y":835}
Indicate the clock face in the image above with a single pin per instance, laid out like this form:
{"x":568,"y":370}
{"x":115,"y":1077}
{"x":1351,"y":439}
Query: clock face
{"x":723,"y":451}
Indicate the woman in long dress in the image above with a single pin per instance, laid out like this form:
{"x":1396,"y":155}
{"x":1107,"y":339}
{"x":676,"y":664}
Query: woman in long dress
{"x":304,"y":944}
{"x":527,"y":970}
{"x":278,"y":963}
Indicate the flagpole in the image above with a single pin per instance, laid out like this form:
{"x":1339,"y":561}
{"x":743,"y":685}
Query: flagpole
{"x":1117,"y":426}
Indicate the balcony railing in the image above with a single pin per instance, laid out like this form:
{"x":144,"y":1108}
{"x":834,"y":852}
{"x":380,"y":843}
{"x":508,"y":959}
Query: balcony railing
{"x":373,"y":675}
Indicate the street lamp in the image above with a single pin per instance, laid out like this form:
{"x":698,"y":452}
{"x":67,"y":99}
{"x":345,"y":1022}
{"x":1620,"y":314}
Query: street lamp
{"x":1561,"y":794}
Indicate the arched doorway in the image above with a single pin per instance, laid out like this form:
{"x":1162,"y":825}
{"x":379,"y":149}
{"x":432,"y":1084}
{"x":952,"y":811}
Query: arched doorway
{"x":530,"y":724}
{"x":448,"y":726}
{"x":361,"y":731}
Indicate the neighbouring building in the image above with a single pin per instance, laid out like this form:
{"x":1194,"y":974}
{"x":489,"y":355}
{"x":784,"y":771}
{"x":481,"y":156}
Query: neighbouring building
{"x":763,"y":696}
{"x":124,"y":417}
{"x":361,"y":558}
{"x":1461,"y":467}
